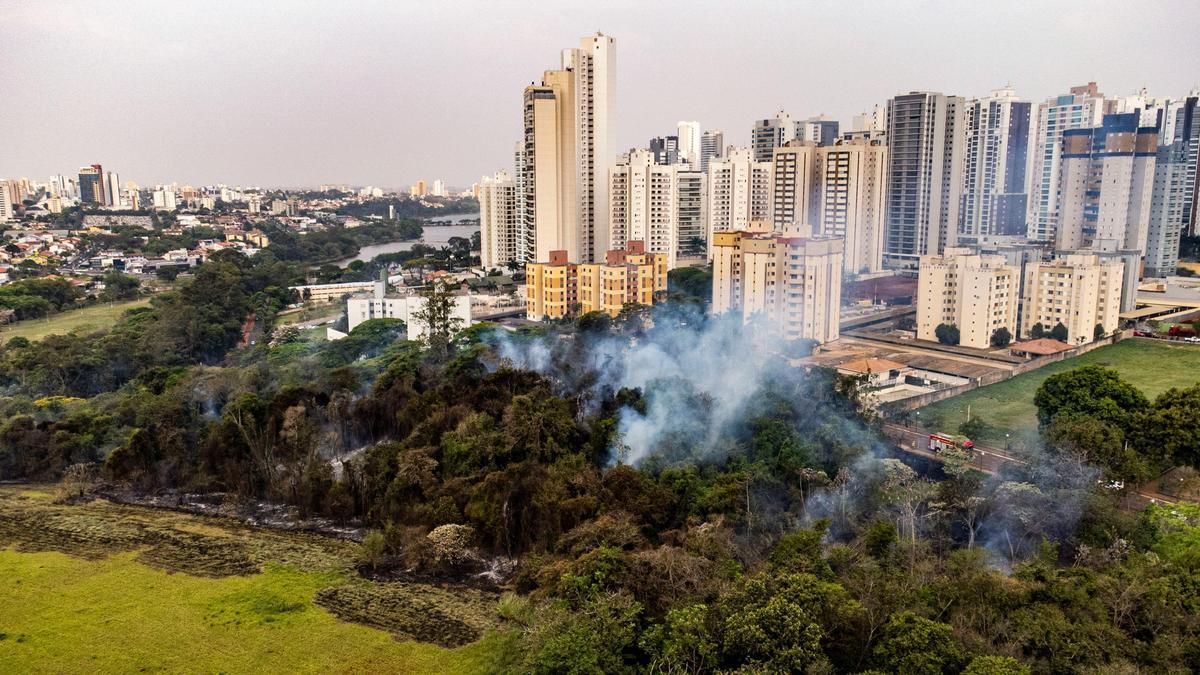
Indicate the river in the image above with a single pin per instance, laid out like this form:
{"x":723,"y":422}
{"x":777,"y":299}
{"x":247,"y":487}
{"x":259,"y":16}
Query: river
{"x":437,"y":233}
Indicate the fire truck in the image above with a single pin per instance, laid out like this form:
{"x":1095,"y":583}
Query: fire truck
{"x":940,"y":442}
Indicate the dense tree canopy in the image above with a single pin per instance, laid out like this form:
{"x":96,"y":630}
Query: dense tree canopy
{"x":773,"y":533}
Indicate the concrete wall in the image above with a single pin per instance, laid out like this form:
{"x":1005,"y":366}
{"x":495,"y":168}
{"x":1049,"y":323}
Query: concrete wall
{"x":1001,"y":375}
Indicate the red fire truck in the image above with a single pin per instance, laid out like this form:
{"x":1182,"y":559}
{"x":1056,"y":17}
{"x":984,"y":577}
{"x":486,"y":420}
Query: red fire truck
{"x":940,"y":442}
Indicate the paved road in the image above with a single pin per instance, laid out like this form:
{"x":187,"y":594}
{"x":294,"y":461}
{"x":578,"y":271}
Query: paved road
{"x":991,"y":460}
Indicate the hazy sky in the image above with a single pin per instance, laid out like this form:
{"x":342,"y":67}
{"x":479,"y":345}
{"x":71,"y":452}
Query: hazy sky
{"x":299,"y":93}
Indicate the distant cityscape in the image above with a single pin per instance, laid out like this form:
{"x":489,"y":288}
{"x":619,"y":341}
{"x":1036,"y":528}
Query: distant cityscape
{"x":1018,"y":217}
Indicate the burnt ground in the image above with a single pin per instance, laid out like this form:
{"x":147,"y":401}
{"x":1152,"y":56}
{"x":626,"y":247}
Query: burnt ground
{"x":445,"y":614}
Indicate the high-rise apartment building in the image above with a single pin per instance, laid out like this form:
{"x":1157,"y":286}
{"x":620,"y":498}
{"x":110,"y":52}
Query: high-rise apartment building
{"x":165,"y":199}
{"x":712,"y":145}
{"x":793,"y":176}
{"x":1173,"y":204}
{"x":689,"y":143}
{"x":771,"y":133}
{"x":789,"y":281}
{"x":819,"y":130}
{"x":996,"y":165}
{"x":1082,"y":108}
{"x":500,"y":218}
{"x":91,"y":185}
{"x":849,"y":200}
{"x":419,"y":189}
{"x":869,"y":122}
{"x":665,"y":149}
{"x":112,"y":189}
{"x":1078,"y":290}
{"x":6,"y":202}
{"x":569,"y":138}
{"x":558,"y":287}
{"x":1105,"y":184}
{"x":976,"y":293}
{"x":924,"y":177}
{"x":595,"y":66}
{"x":439,"y":188}
{"x":551,"y":168}
{"x":643,"y":198}
{"x":739,"y":191}
{"x":690,"y":214}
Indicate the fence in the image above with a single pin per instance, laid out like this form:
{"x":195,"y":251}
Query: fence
{"x":1001,"y":375}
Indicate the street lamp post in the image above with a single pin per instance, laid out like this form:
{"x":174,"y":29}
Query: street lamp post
{"x":1006,"y":443}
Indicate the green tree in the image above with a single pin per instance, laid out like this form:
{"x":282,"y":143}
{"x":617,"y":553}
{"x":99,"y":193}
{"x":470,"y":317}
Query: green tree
{"x":1059,"y":332}
{"x":914,"y":645}
{"x":1089,"y":390}
{"x":598,"y":638}
{"x":975,"y":428}
{"x":437,"y":317}
{"x":947,"y":334}
{"x":691,"y":282}
{"x":1098,"y":332}
{"x":373,"y":549}
{"x":1001,"y":337}
{"x":1095,"y":441}
{"x":778,"y":623}
{"x":1038,"y":331}
{"x":683,"y":643}
{"x":119,"y":286}
{"x":1170,"y":428}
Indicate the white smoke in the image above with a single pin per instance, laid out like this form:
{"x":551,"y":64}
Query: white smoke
{"x":696,"y":380}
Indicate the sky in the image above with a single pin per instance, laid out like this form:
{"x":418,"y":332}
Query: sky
{"x":286,"y":93}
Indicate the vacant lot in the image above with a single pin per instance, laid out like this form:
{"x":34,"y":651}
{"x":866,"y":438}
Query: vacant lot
{"x":105,"y":588}
{"x":1150,"y":365}
{"x":88,"y":318}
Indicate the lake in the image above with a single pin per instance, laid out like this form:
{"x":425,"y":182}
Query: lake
{"x":437,"y":233}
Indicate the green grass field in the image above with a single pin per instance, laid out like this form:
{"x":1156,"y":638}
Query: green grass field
{"x":106,"y":588}
{"x":1151,"y":366}
{"x":60,"y":614}
{"x":89,"y":318}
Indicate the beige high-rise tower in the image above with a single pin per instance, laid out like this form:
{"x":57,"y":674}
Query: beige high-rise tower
{"x":849,"y":203}
{"x":569,"y":142}
{"x":790,"y":281}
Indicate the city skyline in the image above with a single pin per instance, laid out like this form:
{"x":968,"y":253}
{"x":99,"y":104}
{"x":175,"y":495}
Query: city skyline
{"x":372,"y":105}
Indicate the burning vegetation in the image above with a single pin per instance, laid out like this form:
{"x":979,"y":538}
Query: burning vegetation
{"x":662,"y":491}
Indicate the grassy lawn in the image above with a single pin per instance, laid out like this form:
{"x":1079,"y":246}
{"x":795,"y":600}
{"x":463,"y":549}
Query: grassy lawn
{"x":1151,"y":366}
{"x":105,"y":588}
{"x":88,"y":318}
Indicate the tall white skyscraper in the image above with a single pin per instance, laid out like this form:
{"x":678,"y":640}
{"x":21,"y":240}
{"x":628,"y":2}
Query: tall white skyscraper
{"x":689,"y":142}
{"x":595,"y":66}
{"x":996,"y":165}
{"x":1173,"y":205}
{"x":500,"y":217}
{"x":739,"y":191}
{"x":643,"y":197}
{"x":925,"y":152}
{"x":112,"y":189}
{"x":1082,"y":108}
{"x":569,"y":142}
